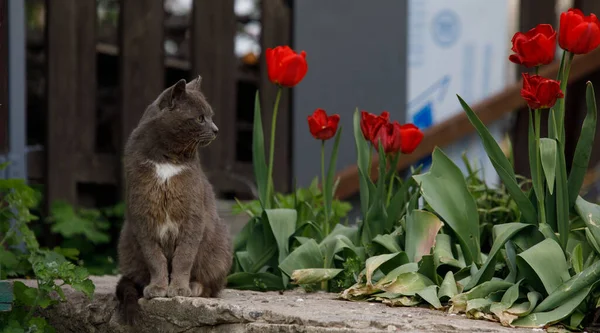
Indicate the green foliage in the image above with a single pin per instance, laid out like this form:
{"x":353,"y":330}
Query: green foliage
{"x":304,"y":240}
{"x":308,"y":203}
{"x":87,"y":223}
{"x":90,"y":231}
{"x":525,"y":253}
{"x":543,"y":294}
{"x":21,"y":255}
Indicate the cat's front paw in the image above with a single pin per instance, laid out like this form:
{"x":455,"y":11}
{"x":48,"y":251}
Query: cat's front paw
{"x":153,"y":291}
{"x":179,"y":290}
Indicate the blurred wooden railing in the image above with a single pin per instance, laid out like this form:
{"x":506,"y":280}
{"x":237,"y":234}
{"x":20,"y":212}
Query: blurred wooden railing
{"x":457,"y":127}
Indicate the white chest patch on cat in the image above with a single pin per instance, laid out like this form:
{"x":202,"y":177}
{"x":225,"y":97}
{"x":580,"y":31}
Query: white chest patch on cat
{"x":164,"y":171}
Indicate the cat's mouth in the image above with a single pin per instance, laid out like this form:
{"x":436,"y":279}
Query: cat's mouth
{"x":206,"y":140}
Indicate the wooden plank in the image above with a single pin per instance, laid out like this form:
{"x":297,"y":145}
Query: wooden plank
{"x":86,"y":73}
{"x":6,"y":296}
{"x":588,"y":6}
{"x":213,"y":58}
{"x":276,"y":30}
{"x":142,"y":68}
{"x":93,"y":168}
{"x":534,"y":12}
{"x":3,"y":77}
{"x":62,"y":89}
{"x":458,"y":126}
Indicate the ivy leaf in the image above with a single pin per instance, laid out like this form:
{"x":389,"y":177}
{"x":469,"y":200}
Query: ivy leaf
{"x":69,"y":253}
{"x":24,"y":295}
{"x":69,"y":223}
{"x":86,"y":286}
{"x":8,"y":262}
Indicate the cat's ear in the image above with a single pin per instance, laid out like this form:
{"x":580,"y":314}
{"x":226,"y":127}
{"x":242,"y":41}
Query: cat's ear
{"x":195,"y":83}
{"x":177,"y":90}
{"x":172,"y":94}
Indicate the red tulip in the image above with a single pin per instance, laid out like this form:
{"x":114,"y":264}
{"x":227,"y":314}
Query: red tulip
{"x":535,"y":47}
{"x":390,"y":137}
{"x":371,"y":123}
{"x":578,"y":34}
{"x":321,"y":126}
{"x":540,"y":92}
{"x":286,"y":67}
{"x":410,"y":138}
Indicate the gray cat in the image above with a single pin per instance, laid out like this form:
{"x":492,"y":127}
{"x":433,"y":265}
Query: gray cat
{"x":173,"y":242}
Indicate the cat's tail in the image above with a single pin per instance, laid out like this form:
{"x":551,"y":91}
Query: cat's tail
{"x":128,"y":294}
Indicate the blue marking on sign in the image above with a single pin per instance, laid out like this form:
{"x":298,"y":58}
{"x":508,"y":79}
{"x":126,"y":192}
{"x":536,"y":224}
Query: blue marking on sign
{"x":423,"y":119}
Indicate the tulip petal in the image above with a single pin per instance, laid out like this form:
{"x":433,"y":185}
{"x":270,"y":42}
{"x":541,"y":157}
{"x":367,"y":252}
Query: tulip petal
{"x":333,"y":121}
{"x":320,"y":116}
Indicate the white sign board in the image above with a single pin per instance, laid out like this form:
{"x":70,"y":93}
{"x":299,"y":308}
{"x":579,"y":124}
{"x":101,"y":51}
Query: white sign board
{"x":456,"y":47}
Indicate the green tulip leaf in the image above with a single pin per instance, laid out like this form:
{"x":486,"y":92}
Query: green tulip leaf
{"x":307,"y":255}
{"x":448,"y":289}
{"x":541,"y":319}
{"x":283,"y":225}
{"x":374,"y":262}
{"x":445,"y":190}
{"x":548,"y":156}
{"x":421,"y":230}
{"x":562,"y":197}
{"x":577,"y":259}
{"x":258,"y":155}
{"x":388,"y":242}
{"x":408,"y":284}
{"x":504,"y":233}
{"x":261,"y":247}
{"x":314,"y":275}
{"x":459,"y":302}
{"x":442,"y":252}
{"x":585,"y":144}
{"x":429,"y":294}
{"x":534,"y":264}
{"x":362,"y":150}
{"x":502,"y":165}
{"x":581,"y":281}
{"x":590,"y":215}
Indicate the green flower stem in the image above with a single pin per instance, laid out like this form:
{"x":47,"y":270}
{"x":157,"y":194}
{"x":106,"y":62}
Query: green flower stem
{"x":272,"y":145}
{"x":324,"y":284}
{"x":561,"y":102}
{"x":540,"y":175}
{"x":393,"y":162}
{"x":34,"y":305}
{"x":323,"y":188}
{"x":370,"y":160}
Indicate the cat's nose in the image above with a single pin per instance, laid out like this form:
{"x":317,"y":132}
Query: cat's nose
{"x":215,"y":129}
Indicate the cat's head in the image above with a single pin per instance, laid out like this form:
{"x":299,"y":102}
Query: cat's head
{"x":185,"y":116}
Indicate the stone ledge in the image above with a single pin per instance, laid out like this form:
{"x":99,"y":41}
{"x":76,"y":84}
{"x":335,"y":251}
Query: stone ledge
{"x":246,"y":311}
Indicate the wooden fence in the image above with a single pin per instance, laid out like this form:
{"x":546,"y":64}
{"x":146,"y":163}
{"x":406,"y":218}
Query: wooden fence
{"x":71,"y":161}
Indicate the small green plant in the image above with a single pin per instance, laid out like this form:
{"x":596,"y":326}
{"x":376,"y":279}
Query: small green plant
{"x":88,"y":230}
{"x":22,"y":256}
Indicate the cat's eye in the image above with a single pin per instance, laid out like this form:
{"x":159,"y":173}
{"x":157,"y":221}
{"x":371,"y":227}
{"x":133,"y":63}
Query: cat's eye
{"x":201,"y":119}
